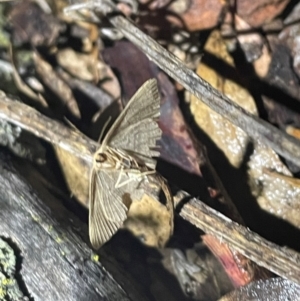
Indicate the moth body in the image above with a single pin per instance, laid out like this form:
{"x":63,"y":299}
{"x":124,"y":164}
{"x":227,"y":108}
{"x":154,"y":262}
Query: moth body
{"x":111,"y":159}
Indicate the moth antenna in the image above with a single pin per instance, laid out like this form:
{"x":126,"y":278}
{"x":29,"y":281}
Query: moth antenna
{"x":103,"y":129}
{"x":72,"y":125}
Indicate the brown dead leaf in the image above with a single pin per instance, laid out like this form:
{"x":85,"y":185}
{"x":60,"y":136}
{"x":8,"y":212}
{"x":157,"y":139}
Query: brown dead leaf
{"x":150,"y":221}
{"x":176,"y":144}
{"x":271,"y":184}
{"x":82,"y":66}
{"x":197,"y":14}
{"x":259,"y":12}
{"x":76,"y":173}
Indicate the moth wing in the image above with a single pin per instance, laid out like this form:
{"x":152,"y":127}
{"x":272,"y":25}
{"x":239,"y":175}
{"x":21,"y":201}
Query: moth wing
{"x":136,"y":130}
{"x":107,"y":211}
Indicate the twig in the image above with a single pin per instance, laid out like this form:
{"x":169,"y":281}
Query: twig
{"x":43,"y":127}
{"x":281,"y":261}
{"x":256,"y":128}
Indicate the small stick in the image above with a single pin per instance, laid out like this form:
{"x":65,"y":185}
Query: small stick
{"x":43,"y":127}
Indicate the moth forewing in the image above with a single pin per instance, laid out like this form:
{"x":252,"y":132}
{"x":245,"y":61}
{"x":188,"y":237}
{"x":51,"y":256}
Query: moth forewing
{"x":126,"y":151}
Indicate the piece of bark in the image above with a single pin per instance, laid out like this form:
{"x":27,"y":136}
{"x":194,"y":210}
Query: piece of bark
{"x":50,"y":242}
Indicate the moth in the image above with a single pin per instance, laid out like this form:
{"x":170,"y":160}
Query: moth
{"x":124,"y":158}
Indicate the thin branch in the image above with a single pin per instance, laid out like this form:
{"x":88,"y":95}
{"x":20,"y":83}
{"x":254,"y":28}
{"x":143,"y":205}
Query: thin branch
{"x":43,"y":127}
{"x":256,"y":128}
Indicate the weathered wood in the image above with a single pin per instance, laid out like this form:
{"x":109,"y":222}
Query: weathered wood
{"x":49,"y":241}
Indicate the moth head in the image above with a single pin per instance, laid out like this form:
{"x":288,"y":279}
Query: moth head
{"x":103,"y":160}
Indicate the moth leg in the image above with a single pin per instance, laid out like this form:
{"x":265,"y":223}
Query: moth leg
{"x":123,"y":170}
{"x":119,"y":179}
{"x":135,"y":176}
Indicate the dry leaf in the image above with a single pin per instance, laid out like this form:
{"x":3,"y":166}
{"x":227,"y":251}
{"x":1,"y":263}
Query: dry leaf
{"x":229,"y":138}
{"x":259,"y":12}
{"x":270,"y":182}
{"x":197,"y":14}
{"x":82,"y":66}
{"x":150,"y":221}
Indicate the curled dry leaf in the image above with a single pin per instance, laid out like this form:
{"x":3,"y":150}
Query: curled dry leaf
{"x":272,"y":185}
{"x":21,"y":85}
{"x":229,"y":138}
